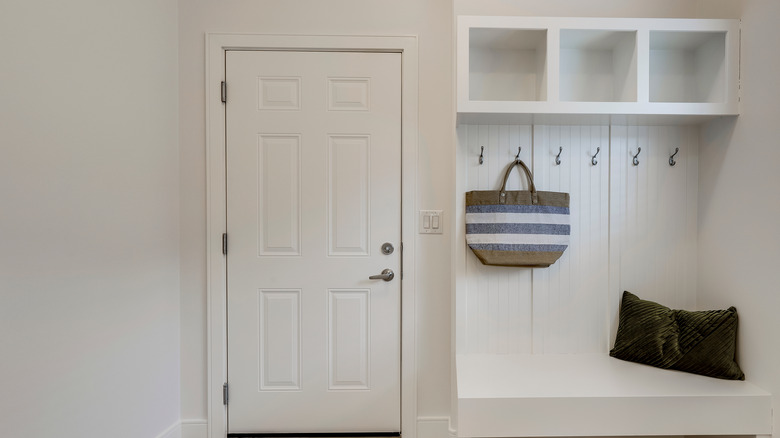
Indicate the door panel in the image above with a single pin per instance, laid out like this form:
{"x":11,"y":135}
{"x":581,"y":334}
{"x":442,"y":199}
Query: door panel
{"x":313,"y":192}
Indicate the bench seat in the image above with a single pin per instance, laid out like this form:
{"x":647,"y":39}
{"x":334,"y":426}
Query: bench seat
{"x":596,"y":395}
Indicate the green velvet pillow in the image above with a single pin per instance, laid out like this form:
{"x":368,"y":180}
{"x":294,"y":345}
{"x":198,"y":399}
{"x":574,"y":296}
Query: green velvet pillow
{"x":701,"y":342}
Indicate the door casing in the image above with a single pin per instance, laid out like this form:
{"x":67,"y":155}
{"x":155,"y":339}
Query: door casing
{"x":216,"y":45}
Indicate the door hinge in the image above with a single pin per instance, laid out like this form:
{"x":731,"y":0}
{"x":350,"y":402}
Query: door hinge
{"x":225,"y":394}
{"x":739,"y":91}
{"x":223,"y":91}
{"x":224,"y":243}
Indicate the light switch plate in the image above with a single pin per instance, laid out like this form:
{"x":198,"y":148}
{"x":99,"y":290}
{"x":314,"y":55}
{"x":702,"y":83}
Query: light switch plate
{"x":431,"y":222}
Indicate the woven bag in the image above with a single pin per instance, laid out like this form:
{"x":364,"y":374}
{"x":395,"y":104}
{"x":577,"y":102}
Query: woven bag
{"x":517,"y":227}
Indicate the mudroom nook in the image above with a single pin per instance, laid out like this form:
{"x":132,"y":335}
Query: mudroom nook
{"x":609,"y":111}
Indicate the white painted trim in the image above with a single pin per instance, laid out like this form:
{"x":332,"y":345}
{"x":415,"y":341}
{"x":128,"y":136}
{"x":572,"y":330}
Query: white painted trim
{"x":216,"y":44}
{"x":434,"y":427}
{"x":173,"y":431}
{"x":194,"y":428}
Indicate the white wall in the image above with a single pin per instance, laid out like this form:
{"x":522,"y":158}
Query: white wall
{"x":739,"y":202}
{"x":431,"y":21}
{"x":89,"y":302}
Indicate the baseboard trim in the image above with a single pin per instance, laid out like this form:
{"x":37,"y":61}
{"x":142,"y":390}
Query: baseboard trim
{"x":427,"y":427}
{"x":173,"y":431}
{"x":434,"y":427}
{"x":194,"y":428}
{"x":452,"y":432}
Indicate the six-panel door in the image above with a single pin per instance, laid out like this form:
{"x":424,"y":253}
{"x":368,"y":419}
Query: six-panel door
{"x":313,"y":192}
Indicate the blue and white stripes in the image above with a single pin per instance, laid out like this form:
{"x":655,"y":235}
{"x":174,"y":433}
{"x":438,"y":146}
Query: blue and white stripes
{"x":536,"y":228}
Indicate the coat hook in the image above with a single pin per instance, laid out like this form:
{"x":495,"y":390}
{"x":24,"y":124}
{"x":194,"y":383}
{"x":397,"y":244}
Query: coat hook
{"x":636,"y":160}
{"x":481,"y":155}
{"x":558,"y":157}
{"x":517,"y":157}
{"x":671,"y":159}
{"x":593,"y":158}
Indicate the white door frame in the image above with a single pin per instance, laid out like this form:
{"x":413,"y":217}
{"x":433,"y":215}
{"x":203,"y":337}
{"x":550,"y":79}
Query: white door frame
{"x":216,"y":45}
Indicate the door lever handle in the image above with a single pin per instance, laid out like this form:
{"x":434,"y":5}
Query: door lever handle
{"x":386,"y":275}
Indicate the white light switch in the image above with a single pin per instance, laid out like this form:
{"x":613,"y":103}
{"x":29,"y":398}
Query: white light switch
{"x":430,"y":222}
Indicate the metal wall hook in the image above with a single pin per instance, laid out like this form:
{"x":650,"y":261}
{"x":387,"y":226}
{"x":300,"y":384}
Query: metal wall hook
{"x":558,"y":157}
{"x":593,"y":158}
{"x":517,"y":157}
{"x":671,"y":159}
{"x":636,"y":160}
{"x":482,"y":155}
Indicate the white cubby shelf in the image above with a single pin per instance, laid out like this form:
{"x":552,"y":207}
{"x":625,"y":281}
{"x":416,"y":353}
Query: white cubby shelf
{"x":526,"y":69}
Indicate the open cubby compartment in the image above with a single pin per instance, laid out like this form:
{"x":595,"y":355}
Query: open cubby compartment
{"x":598,"y":65}
{"x":687,"y":66}
{"x":507,"y":64}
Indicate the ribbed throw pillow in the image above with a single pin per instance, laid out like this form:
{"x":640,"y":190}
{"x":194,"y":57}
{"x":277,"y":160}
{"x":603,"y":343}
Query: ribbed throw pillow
{"x":702,"y":342}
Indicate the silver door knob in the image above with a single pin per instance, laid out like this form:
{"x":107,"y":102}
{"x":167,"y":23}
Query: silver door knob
{"x":386,"y":275}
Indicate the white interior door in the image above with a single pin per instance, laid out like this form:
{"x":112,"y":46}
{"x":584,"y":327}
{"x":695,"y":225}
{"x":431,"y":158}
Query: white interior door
{"x":313,"y":193}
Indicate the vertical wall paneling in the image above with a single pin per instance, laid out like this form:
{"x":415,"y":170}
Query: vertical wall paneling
{"x":653,"y":229}
{"x":570,"y":297}
{"x":632,"y":228}
{"x":689,"y":157}
{"x":618,"y":153}
{"x":495,"y":311}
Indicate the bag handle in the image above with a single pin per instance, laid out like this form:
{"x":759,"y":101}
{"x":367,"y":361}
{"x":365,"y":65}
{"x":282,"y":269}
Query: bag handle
{"x":518,"y":162}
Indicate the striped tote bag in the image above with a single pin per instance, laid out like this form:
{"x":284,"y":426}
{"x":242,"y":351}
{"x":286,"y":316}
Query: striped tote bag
{"x":518,"y":227}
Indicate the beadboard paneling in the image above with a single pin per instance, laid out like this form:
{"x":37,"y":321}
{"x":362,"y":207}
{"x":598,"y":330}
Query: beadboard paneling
{"x":570,"y":297}
{"x":495,"y":306}
{"x":654,"y":214}
{"x":633,"y":228}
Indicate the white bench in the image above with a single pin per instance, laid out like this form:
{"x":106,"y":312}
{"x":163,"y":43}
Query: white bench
{"x":596,"y":395}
